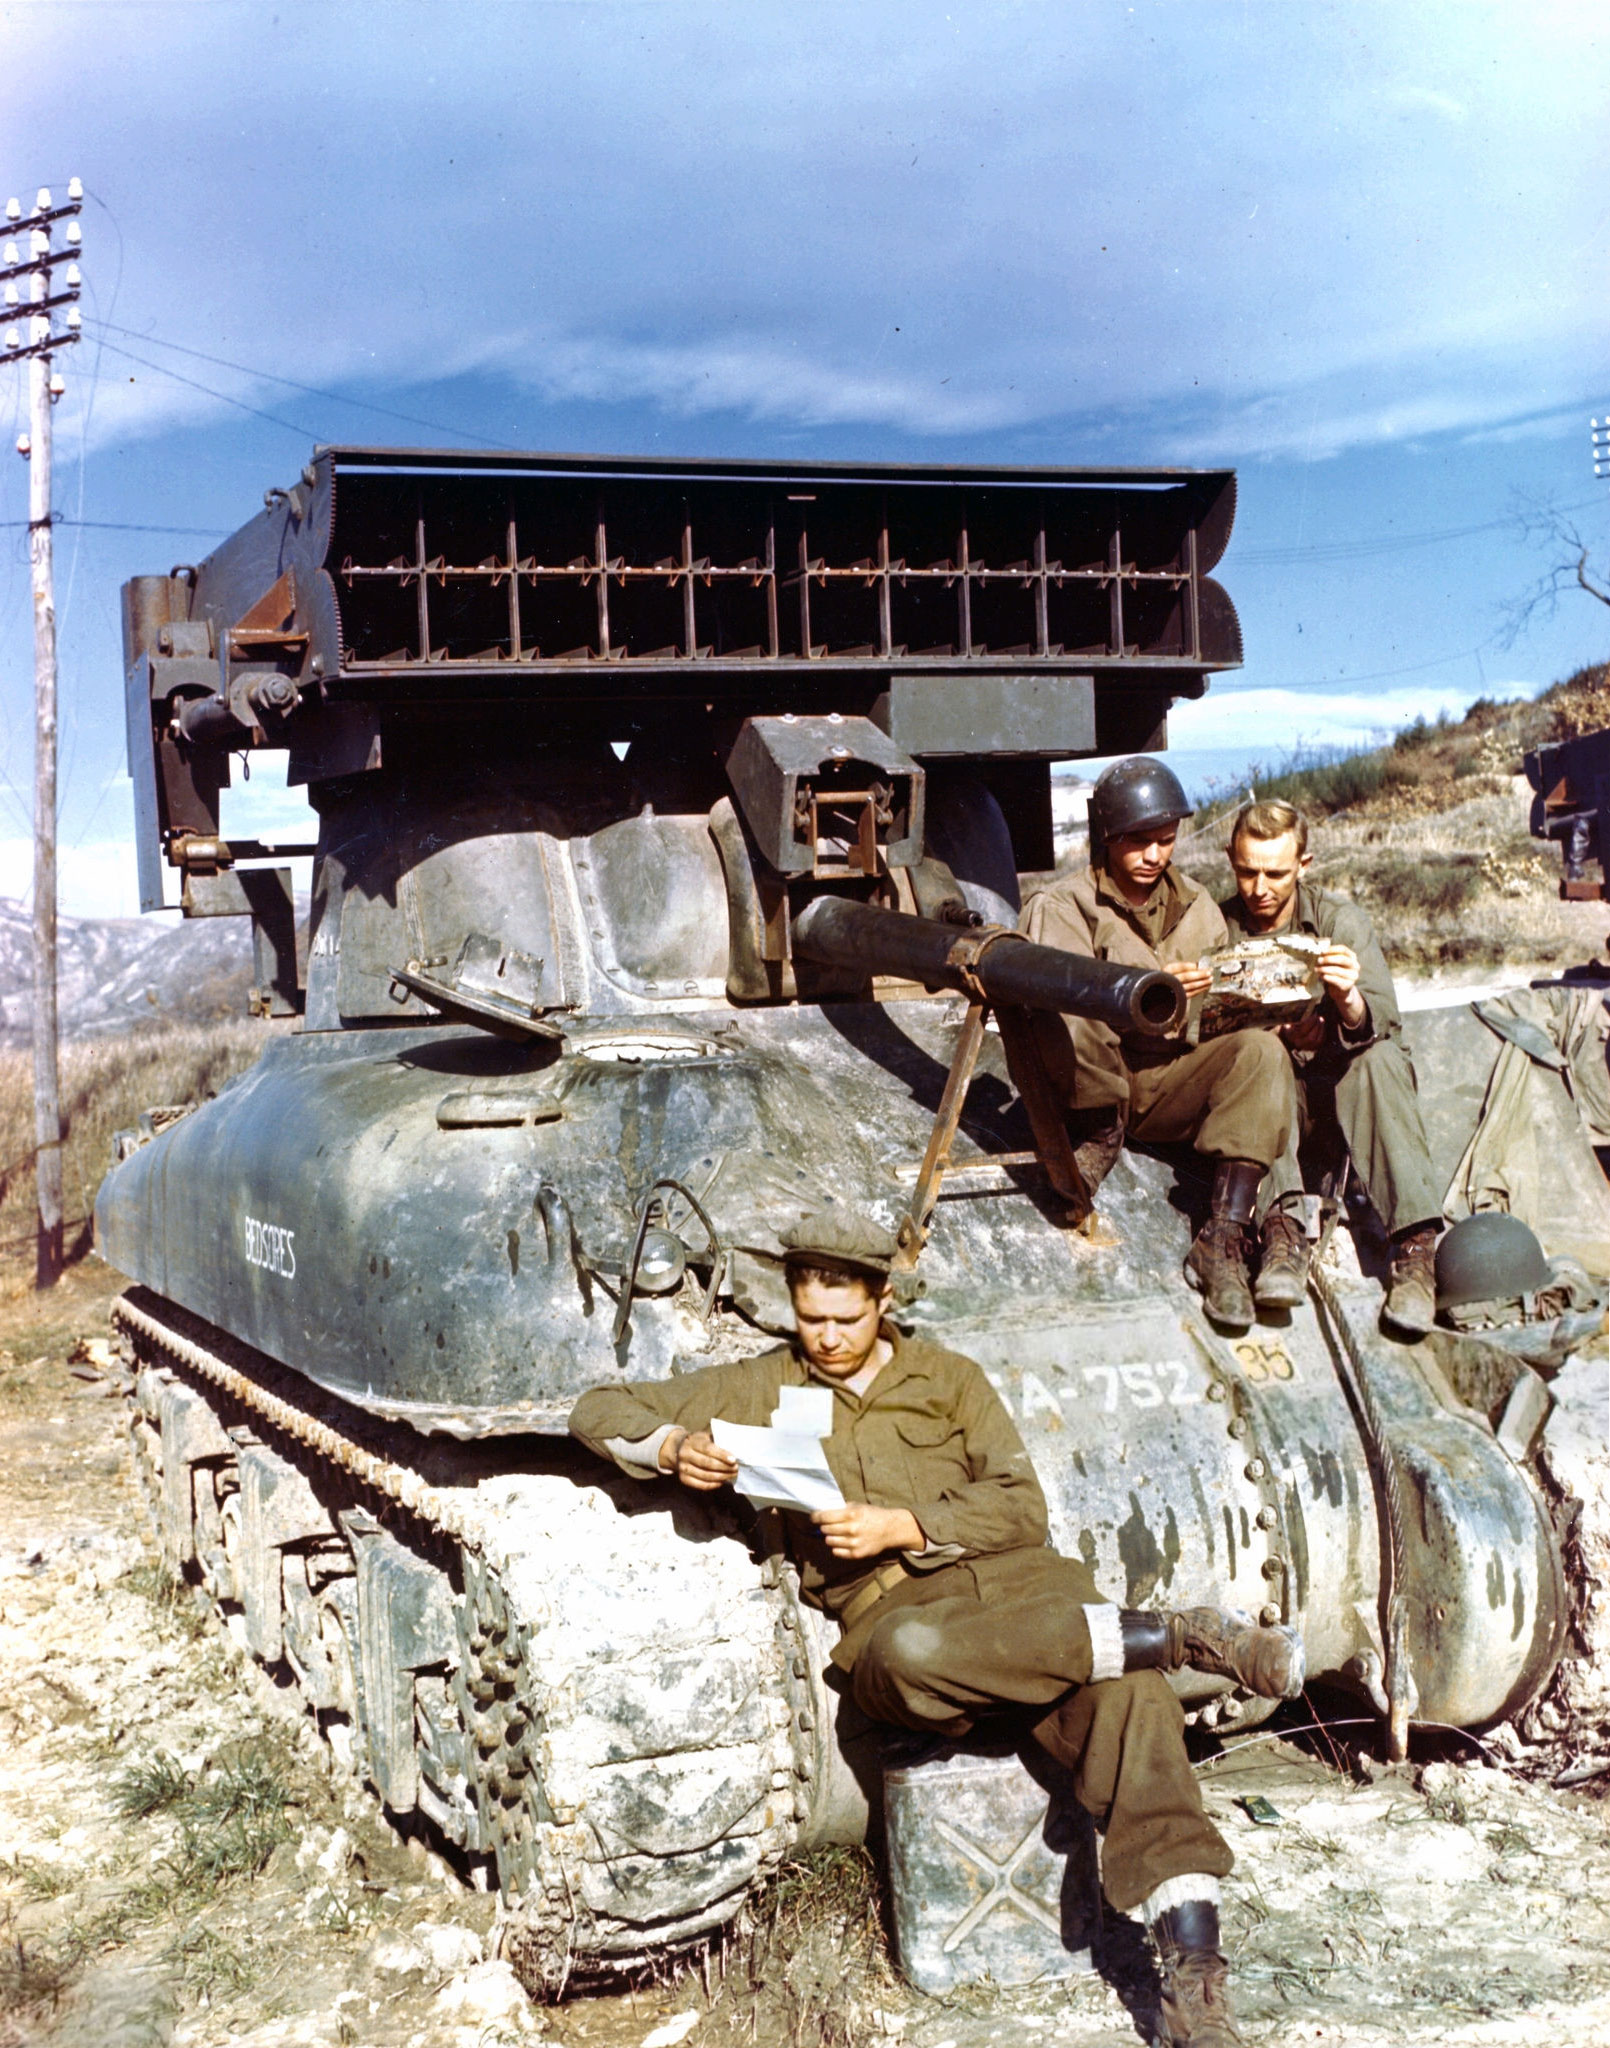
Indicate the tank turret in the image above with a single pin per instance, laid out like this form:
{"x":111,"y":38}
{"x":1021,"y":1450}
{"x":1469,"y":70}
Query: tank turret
{"x":671,"y":825}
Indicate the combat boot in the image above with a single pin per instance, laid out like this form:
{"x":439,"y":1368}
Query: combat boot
{"x":1097,"y":1146}
{"x":1229,"y":1644}
{"x":1225,"y":1643}
{"x":1216,"y":1264}
{"x":1411,"y":1295}
{"x":1195,"y":2009}
{"x":1283,"y":1269}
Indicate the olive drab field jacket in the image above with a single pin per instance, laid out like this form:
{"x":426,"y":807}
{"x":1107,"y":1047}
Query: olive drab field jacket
{"x":930,"y":1434}
{"x":1083,"y":913}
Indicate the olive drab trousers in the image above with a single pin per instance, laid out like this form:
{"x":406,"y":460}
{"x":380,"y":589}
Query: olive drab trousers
{"x":1009,"y":1631}
{"x":1231,"y":1097}
{"x":1374,"y":1103}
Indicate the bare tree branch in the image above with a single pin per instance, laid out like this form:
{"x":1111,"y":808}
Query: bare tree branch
{"x":1586,"y":581}
{"x":1545,"y":528}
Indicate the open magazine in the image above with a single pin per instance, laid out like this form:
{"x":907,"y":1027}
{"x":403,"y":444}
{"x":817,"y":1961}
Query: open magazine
{"x":1257,"y":985}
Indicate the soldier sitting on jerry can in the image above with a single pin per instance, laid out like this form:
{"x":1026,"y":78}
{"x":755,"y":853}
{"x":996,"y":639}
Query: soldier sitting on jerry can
{"x":1355,"y":1079}
{"x":1232,"y":1097}
{"x":951,"y":1604}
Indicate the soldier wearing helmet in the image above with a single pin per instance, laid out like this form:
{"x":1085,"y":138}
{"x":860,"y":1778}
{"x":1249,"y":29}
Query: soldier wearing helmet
{"x":1354,"y":1074}
{"x":1232,"y":1097}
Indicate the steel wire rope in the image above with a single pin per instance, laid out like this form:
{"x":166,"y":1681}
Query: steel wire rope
{"x":1374,"y":675}
{"x":1208,"y":1763}
{"x":1397,"y":1668}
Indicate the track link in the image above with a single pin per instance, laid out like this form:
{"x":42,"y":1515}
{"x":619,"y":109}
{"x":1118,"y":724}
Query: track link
{"x":521,"y":1652}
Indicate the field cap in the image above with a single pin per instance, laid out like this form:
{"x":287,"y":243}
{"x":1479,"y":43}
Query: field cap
{"x":843,"y":1238}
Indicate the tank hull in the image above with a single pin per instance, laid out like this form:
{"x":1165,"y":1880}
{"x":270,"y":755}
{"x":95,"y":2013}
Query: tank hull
{"x":1184,"y":1466}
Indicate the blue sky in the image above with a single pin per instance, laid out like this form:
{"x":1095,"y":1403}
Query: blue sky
{"x":1357,"y":251}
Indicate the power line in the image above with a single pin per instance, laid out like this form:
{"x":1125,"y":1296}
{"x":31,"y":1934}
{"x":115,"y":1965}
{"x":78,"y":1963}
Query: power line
{"x":1374,"y":675}
{"x":223,"y":397}
{"x":312,"y":390}
{"x":1357,"y":550}
{"x":124,"y":526}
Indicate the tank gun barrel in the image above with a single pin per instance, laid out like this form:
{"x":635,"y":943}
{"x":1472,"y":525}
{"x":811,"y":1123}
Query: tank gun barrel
{"x":1006,"y":968}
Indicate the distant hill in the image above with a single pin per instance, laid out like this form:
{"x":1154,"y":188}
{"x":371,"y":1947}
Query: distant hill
{"x":118,"y":973}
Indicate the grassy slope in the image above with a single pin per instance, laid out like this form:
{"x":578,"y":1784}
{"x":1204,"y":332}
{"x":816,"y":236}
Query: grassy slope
{"x":1430,"y":834}
{"x":105,"y":1084}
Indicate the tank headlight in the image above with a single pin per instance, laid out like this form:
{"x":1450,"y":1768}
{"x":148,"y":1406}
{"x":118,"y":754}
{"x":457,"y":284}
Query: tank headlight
{"x":661,"y":1263}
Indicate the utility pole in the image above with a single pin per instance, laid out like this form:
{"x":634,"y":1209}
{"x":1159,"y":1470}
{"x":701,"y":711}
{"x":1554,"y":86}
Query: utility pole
{"x":44,"y":388}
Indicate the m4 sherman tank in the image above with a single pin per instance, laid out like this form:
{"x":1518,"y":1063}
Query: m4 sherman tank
{"x":672,"y":817}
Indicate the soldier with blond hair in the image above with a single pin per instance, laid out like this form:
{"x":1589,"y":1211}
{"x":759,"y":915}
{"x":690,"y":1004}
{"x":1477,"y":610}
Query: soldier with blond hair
{"x":1352,"y":1069}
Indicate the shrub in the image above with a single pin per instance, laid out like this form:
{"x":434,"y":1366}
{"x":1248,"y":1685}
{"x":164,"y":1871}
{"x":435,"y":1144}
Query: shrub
{"x":1434,"y":885}
{"x":1419,"y":732}
{"x":1321,"y":784}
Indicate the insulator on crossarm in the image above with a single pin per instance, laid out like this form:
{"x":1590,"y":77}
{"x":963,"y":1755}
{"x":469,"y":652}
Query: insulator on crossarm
{"x":11,"y":293}
{"x":74,"y":280}
{"x":13,"y":253}
{"x":13,"y":210}
{"x":75,"y":188}
{"x":58,"y":385}
{"x":25,"y":447}
{"x":75,"y":234}
{"x":75,"y":319}
{"x":13,"y":337}
{"x":44,"y":202}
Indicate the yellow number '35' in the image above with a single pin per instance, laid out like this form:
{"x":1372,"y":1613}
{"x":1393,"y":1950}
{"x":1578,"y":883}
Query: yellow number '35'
{"x":1263,"y":1359}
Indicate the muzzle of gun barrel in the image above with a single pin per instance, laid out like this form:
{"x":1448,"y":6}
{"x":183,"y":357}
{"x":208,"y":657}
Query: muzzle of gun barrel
{"x":998,"y":965}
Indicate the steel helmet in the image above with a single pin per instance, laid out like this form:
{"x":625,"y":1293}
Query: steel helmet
{"x":1132,"y":795}
{"x":1491,"y":1256}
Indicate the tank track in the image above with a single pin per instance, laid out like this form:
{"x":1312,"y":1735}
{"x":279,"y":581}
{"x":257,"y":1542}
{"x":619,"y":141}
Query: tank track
{"x":596,"y":1691}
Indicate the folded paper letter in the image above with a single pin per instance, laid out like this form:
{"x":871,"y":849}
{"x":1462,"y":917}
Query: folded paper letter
{"x":780,"y":1468}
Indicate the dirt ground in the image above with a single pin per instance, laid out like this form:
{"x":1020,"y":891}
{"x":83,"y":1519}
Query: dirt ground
{"x":180,"y":1862}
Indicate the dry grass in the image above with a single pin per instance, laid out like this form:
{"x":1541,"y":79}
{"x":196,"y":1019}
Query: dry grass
{"x":1429,"y":834}
{"x":230,"y":1817}
{"x":105,"y":1084}
{"x":1462,"y":886}
{"x":808,"y":1959}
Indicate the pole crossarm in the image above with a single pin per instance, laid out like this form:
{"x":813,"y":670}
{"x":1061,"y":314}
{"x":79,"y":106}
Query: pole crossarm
{"x":41,"y":216}
{"x":39,"y":265}
{"x":26,"y":349}
{"x":35,"y":308}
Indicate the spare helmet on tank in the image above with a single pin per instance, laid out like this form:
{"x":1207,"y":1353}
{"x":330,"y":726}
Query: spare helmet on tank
{"x":1134,"y":795}
{"x":1491,"y":1256}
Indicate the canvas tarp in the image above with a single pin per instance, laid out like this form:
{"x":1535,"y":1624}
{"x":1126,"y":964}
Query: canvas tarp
{"x":1516,"y":1094}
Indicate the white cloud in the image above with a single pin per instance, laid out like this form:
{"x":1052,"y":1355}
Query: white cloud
{"x":264,"y":808}
{"x":97,"y":877}
{"x":1423,"y":99}
{"x":1270,"y":723}
{"x":893,"y":224}
{"x":763,"y":381}
{"x":93,"y":880}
